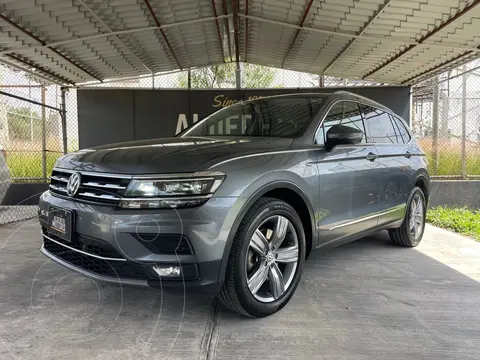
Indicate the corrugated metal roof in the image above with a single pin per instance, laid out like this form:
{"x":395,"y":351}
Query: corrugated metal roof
{"x":387,"y":41}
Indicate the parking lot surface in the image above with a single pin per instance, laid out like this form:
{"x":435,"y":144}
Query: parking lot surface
{"x":365,"y":300}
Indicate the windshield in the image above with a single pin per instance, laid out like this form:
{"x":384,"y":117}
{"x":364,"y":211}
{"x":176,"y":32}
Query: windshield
{"x":272,"y":117}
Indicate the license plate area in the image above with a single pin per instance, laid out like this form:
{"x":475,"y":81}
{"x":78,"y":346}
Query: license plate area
{"x":60,"y":222}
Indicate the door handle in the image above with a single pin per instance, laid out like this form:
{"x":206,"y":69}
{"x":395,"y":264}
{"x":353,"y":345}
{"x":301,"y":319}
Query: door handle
{"x":408,"y":154}
{"x":371,"y":156}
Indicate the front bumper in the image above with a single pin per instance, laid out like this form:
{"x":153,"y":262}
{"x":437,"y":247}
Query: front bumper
{"x":122,"y":246}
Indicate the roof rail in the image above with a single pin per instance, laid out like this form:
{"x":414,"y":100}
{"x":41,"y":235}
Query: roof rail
{"x":340,"y":92}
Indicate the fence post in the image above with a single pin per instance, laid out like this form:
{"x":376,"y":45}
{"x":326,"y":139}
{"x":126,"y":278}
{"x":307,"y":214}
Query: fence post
{"x":435,"y":113}
{"x":464,"y":123}
{"x":63,"y":115}
{"x":44,"y":136}
{"x":321,"y":81}
{"x":238,"y":78}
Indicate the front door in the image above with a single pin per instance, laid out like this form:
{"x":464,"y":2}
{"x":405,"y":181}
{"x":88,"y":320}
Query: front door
{"x":348,"y":180}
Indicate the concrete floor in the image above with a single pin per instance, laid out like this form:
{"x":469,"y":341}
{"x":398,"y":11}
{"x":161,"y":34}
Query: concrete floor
{"x":365,"y":300}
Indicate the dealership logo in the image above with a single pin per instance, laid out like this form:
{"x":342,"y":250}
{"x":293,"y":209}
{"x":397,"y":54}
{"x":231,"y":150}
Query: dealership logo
{"x":73,"y":184}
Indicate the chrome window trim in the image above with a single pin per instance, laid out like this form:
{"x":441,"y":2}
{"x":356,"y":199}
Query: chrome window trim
{"x":395,"y":116}
{"x":320,"y":123}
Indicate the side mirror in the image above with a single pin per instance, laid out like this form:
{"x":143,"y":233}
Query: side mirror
{"x":342,"y":135}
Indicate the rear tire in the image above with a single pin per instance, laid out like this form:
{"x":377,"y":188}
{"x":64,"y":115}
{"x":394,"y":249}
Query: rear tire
{"x":266,"y":260}
{"x":410,"y":233}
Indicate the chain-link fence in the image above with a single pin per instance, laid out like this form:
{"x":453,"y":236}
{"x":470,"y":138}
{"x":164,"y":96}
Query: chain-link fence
{"x":38,"y":121}
{"x":31,"y":139}
{"x":446,"y":120}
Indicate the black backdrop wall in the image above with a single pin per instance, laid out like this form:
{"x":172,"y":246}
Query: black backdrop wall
{"x":115,"y":115}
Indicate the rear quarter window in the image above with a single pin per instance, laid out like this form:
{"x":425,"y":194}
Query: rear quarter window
{"x":402,"y":129}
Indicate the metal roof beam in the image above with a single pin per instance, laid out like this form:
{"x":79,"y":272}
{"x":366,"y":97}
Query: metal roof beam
{"x":361,"y":32}
{"x":437,"y":67}
{"x":34,"y":74}
{"x":116,"y":35}
{"x":246,"y":31}
{"x":235,"y":29}
{"x":30,"y":65}
{"x":219,"y":34}
{"x":159,"y":26}
{"x":22,"y":50}
{"x":390,"y":39}
{"x":227,"y":26}
{"x":424,"y":38}
{"x":300,"y":26}
{"x":49,"y":47}
{"x":419,"y":89}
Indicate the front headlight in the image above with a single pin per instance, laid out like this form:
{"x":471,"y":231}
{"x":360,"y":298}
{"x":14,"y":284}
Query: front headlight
{"x":175,"y":191}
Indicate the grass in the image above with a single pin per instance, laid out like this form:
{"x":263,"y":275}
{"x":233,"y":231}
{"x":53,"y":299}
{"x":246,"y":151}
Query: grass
{"x":460,"y":220}
{"x":450,"y":163}
{"x":29,"y":164}
{"x":25,"y":164}
{"x":450,"y":156}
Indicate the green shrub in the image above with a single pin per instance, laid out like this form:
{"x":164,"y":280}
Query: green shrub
{"x":460,"y":220}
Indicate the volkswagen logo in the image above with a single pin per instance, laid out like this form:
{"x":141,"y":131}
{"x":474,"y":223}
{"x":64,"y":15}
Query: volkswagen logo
{"x":73,"y":184}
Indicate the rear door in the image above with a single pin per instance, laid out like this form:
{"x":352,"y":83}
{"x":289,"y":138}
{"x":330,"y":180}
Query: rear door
{"x":348,"y":185}
{"x":394,"y":159}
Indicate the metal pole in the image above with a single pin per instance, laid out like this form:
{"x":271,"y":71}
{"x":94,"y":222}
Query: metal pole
{"x":435,"y":111}
{"x":189,"y":78}
{"x":44,"y":137}
{"x":321,"y":81}
{"x":63,"y":115}
{"x":464,"y":124}
{"x":238,"y":77}
{"x":421,"y":119}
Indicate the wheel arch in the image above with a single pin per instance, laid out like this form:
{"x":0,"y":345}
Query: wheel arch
{"x":422,"y":180}
{"x":273,"y":189}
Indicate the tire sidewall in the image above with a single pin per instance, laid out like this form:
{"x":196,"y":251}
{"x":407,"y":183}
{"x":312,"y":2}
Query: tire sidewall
{"x":415,"y":191}
{"x":247,"y":300}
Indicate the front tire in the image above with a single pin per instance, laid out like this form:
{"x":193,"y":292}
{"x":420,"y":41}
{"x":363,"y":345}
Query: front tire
{"x":410,"y":233}
{"x":266,"y":260}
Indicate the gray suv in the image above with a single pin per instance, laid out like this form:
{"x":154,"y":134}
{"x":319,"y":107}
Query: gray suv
{"x":237,"y":201}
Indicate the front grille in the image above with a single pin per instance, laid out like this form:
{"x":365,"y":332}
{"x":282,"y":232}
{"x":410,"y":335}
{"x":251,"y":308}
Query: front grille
{"x":111,"y":268}
{"x":95,"y":187}
{"x":88,"y":244}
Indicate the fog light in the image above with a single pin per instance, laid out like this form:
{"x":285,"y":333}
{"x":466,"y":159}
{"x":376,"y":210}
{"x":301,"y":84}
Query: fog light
{"x":167,"y":271}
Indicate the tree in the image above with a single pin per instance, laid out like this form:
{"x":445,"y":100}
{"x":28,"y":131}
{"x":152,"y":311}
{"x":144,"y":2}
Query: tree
{"x":23,"y":123}
{"x":26,"y":124}
{"x":223,"y":76}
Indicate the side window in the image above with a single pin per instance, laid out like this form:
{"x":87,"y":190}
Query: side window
{"x":346,"y":113}
{"x":379,"y":126}
{"x":404,"y":134}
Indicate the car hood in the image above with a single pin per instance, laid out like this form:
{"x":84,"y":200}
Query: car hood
{"x":168,"y":155}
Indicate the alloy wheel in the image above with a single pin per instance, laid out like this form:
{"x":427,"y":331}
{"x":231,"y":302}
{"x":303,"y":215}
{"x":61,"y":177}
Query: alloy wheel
{"x":416,"y":217}
{"x":272,"y":258}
